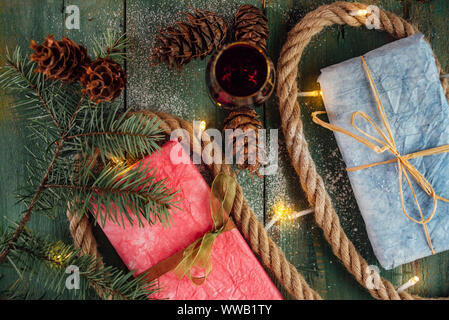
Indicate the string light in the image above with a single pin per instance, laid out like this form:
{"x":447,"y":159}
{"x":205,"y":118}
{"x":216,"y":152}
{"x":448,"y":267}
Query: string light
{"x":58,"y":254}
{"x":298,"y":214}
{"x":361,"y":12}
{"x":120,"y":162}
{"x":116,"y":160}
{"x":408,"y":284}
{"x":203,"y":125}
{"x":316,"y":93}
{"x":283,"y":213}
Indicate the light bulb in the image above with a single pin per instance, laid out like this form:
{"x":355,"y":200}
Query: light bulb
{"x":315,"y":93}
{"x":281,"y":211}
{"x":362,"y":12}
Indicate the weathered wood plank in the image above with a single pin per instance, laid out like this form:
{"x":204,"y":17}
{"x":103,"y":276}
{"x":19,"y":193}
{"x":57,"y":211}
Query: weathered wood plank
{"x":306,"y":245}
{"x":431,"y":19}
{"x":181,"y":93}
{"x":283,"y":187}
{"x":22,"y":21}
{"x":95,"y":19}
{"x":184,"y":94}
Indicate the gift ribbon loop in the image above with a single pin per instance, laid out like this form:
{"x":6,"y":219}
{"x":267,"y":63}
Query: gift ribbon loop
{"x":198,"y":254}
{"x":406,"y":169}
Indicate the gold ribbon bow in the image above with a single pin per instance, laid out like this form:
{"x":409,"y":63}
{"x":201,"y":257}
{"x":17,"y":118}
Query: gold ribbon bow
{"x":388,"y":143}
{"x":198,"y":254}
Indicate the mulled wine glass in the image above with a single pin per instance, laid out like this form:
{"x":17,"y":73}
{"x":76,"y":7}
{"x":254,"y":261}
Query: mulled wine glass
{"x":240,"y":75}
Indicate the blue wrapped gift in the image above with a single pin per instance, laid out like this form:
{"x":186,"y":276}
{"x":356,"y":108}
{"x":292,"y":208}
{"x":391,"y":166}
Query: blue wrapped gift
{"x":405,"y":75}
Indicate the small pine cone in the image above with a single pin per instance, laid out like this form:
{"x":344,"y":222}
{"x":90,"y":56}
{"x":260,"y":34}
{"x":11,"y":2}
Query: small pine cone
{"x":250,"y":25}
{"x":103,"y":80}
{"x":93,"y":163}
{"x":248,"y":150}
{"x":202,"y":33}
{"x":61,"y":60}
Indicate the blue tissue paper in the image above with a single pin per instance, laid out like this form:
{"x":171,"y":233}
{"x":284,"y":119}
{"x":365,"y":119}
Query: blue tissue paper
{"x":407,"y":79}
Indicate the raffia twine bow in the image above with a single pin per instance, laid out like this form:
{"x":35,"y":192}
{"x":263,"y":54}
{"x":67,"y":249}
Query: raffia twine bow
{"x":388,"y":143}
{"x":198,"y":254}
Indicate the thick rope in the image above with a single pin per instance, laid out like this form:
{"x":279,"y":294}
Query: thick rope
{"x":83,"y":239}
{"x":312,"y":183}
{"x":262,"y":245}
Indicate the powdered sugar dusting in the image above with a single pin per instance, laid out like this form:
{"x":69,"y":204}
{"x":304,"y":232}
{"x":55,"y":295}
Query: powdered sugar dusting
{"x":283,"y":188}
{"x":181,"y":93}
{"x":333,"y":171}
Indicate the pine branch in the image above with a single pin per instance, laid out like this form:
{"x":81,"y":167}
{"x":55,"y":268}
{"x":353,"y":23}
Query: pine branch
{"x":24,"y":78}
{"x":133,"y":191}
{"x":79,"y":127}
{"x":46,"y":260}
{"x":48,"y":202}
{"x":112,"y":134}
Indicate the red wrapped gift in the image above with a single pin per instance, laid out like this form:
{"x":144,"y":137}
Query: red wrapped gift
{"x":236,"y":273}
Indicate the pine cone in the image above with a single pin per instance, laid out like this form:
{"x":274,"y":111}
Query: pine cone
{"x":103,"y":80}
{"x":94,"y":164}
{"x":202,"y":33}
{"x":61,"y":60}
{"x":250,"y":25}
{"x":249,"y":152}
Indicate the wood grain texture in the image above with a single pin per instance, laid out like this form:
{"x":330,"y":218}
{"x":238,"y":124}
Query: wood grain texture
{"x":183,"y":93}
{"x":95,"y":18}
{"x":18,"y":26}
{"x":334,"y":45}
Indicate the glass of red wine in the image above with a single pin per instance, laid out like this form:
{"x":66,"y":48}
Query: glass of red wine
{"x":240,"y":75}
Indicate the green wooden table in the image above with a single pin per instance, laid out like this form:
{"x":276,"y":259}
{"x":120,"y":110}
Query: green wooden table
{"x":184,"y":94}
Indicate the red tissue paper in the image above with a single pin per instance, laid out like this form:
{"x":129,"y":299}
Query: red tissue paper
{"x":236,"y":273}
